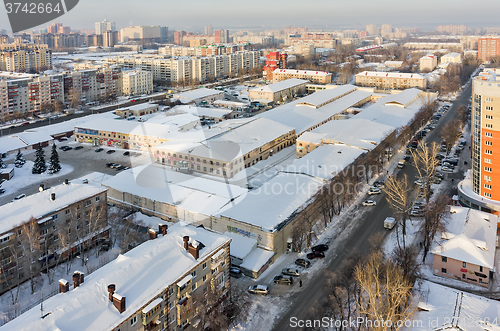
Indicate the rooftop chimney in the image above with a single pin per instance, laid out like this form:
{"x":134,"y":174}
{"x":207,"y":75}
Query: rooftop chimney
{"x":52,"y":196}
{"x":41,"y":188}
{"x":63,"y":285}
{"x":66,"y":182}
{"x":163,"y":229}
{"x":111,"y":291}
{"x":76,"y":280}
{"x":119,"y":302}
{"x":152,"y":234}
{"x":194,"y":251}
{"x":186,"y":242}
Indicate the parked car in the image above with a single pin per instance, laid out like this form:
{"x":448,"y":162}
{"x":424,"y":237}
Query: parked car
{"x":314,"y":255}
{"x":446,"y":169}
{"x":259,"y":289}
{"x":63,"y":147}
{"x":97,"y":150}
{"x":120,"y":167}
{"x":440,"y":156}
{"x":2,"y":191}
{"x":439,"y":175}
{"x":111,"y":151}
{"x":320,"y":248}
{"x":235,"y":272}
{"x":374,"y":190}
{"x":303,"y":263}
{"x":369,"y":203}
{"x":20,"y":196}
{"x":290,"y":272}
{"x":127,"y":153}
{"x":109,"y":164}
{"x":67,"y":148}
{"x":401,"y":164}
{"x":280,"y":279}
{"x":78,"y":147}
{"x":389,"y":223}
{"x":378,"y":184}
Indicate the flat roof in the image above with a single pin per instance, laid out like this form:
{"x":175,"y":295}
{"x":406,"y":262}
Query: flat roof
{"x":390,"y":75}
{"x":197,"y":93}
{"x":302,"y":72}
{"x":140,"y":106}
{"x":280,"y":86}
{"x":39,"y":204}
{"x":136,"y":275}
{"x":129,"y":127}
{"x":202,"y":111}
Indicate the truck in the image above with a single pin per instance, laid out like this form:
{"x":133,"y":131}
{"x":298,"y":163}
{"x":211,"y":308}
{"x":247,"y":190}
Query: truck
{"x":401,"y":164}
{"x":389,"y":223}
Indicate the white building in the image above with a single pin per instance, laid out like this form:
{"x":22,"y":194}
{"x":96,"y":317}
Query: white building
{"x":101,"y":27}
{"x":201,"y":95}
{"x":452,"y":58}
{"x":136,"y":82}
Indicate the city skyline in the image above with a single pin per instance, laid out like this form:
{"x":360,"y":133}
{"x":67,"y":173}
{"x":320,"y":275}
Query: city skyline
{"x":223,"y":14}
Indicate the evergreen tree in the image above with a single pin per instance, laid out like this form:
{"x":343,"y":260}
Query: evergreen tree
{"x":54,"y":166}
{"x":2,"y":164}
{"x":39,"y":166}
{"x":20,"y":161}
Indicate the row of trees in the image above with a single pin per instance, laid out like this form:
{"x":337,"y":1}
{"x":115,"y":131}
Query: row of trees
{"x":40,"y":165}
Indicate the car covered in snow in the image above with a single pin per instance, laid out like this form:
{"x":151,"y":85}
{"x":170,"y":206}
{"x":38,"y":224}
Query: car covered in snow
{"x":290,"y":272}
{"x":259,"y":289}
{"x":369,"y":203}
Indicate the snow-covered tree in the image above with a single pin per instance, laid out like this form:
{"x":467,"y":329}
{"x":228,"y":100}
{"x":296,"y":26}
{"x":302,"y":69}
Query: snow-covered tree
{"x":2,"y":164}
{"x":20,"y":161}
{"x":54,"y":166}
{"x":39,"y":166}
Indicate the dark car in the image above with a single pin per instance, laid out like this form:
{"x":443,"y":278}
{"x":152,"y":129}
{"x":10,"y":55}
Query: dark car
{"x":2,"y":191}
{"x":320,"y":248}
{"x":121,"y":167}
{"x":63,"y":147}
{"x":67,"y":148}
{"x":281,"y":279}
{"x":314,"y":255}
{"x":127,"y":153}
{"x":111,"y":151}
{"x":303,"y":263}
{"x":235,"y":272}
{"x":109,"y":164}
{"x":407,"y":158}
{"x":97,"y":150}
{"x":78,"y":147}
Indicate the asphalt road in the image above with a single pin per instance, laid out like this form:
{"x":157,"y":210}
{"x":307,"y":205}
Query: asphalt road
{"x":314,"y":291}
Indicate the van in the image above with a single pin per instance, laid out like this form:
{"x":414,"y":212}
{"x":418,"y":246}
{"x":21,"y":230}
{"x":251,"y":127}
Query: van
{"x":401,"y":164}
{"x":131,"y":118}
{"x":389,"y":223}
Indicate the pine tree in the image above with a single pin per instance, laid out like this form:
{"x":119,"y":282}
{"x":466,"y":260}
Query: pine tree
{"x":54,"y":166}
{"x":20,"y":161}
{"x":39,"y":166}
{"x":2,"y":164}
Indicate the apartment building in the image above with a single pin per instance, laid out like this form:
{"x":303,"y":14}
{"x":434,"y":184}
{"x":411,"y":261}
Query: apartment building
{"x":221,"y":36}
{"x":26,"y":60}
{"x":488,"y":47}
{"x":284,"y":90}
{"x":63,"y":220}
{"x":16,"y":46}
{"x":390,"y":80}
{"x":315,"y":77}
{"x":428,"y":62}
{"x":162,"y":284}
{"x":453,"y":57}
{"x":136,"y":82}
{"x":466,"y":250}
{"x":103,"y":26}
{"x":452,"y":29}
{"x":456,"y":47}
{"x":144,"y":34}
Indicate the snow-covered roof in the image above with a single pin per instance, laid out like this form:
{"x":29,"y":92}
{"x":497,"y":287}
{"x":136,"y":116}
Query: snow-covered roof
{"x":22,"y":140}
{"x":130,"y":127}
{"x":150,"y":221}
{"x":280,"y":86}
{"x":390,"y":75}
{"x":256,"y":259}
{"x":277,"y":201}
{"x":452,"y":54}
{"x":305,"y":113}
{"x":39,"y":204}
{"x":139,"y":107}
{"x":240,"y":245}
{"x":445,"y":308}
{"x":404,"y":98}
{"x":312,"y":137}
{"x":302,"y":72}
{"x":229,"y":139}
{"x":177,"y":120}
{"x":139,"y":275}
{"x":470,"y":237}
{"x":202,"y":111}
{"x":194,"y":194}
{"x":197,"y":94}
{"x":325,"y":161}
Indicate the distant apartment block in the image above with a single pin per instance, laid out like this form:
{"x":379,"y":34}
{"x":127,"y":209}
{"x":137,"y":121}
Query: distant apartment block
{"x":453,"y":57}
{"x":26,"y":60}
{"x":274,"y":60}
{"x":144,"y":34}
{"x":162,"y":284}
{"x":452,"y":29}
{"x":316,"y":77}
{"x":428,"y":62}
{"x":222,"y":36}
{"x":295,"y":30}
{"x":390,"y":80}
{"x":318,"y":40}
{"x":488,"y":47}
{"x":455,"y":47}
{"x":67,"y":219}
{"x":101,"y":27}
{"x":136,"y":82}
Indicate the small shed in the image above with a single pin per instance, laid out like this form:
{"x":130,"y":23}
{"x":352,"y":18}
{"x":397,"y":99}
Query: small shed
{"x":7,"y":173}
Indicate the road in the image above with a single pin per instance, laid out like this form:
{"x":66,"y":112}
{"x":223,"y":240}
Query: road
{"x":313,"y":292}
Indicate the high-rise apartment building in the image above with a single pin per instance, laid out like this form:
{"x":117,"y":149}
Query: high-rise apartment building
{"x":274,"y":60}
{"x":481,"y":190}
{"x":109,"y":38}
{"x":488,"y":47}
{"x":30,"y":60}
{"x":372,"y":29}
{"x":295,"y":30}
{"x":452,"y":29}
{"x":221,"y":36}
{"x":101,"y":27}
{"x":209,"y":30}
{"x":144,"y":34}
{"x":178,"y":37}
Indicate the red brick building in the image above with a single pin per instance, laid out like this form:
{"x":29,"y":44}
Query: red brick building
{"x":488,"y":47}
{"x":275,"y":60}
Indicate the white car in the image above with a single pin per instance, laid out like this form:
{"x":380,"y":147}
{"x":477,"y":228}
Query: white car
{"x":20,"y":196}
{"x":369,"y":203}
{"x":259,"y":289}
{"x":374,"y":190}
{"x":446,"y":169}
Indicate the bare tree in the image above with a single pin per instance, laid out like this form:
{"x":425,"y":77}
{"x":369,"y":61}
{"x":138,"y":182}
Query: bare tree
{"x":450,"y":133}
{"x":30,"y":247}
{"x":385,"y":293}
{"x":397,"y":191}
{"x":425,"y":164}
{"x":74,"y":99}
{"x":433,"y":221}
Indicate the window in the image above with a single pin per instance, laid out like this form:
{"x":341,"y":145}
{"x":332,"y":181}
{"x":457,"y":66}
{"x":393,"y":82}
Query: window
{"x":97,"y":199}
{"x":67,"y":211}
{"x":487,"y":151}
{"x":133,"y":320}
{"x":487,"y":186}
{"x":194,"y":286}
{"x":487,"y":160}
{"x":489,"y":117}
{"x":193,"y":274}
{"x":489,"y":108}
{"x":488,"y":143}
{"x":488,"y":178}
{"x":487,"y":169}
{"x":463,"y":276}
{"x":489,"y":126}
{"x":480,"y":281}
{"x":204,"y":278}
{"x":444,"y":259}
{"x":488,"y":134}
{"x":204,"y":265}
{"x":488,"y":195}
{"x":443,"y":270}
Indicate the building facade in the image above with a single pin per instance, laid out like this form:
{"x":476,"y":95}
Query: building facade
{"x":428,"y":63}
{"x":315,"y":77}
{"x":488,"y":47}
{"x":136,"y":82}
{"x":390,"y":80}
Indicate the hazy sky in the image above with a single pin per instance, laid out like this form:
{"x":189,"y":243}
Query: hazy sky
{"x":192,"y":15}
